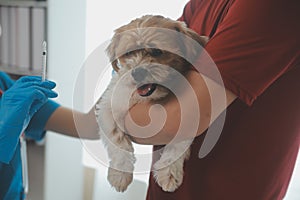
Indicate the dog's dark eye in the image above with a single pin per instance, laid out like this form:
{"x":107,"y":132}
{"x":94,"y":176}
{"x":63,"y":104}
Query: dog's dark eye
{"x":128,"y":53}
{"x":155,"y":52}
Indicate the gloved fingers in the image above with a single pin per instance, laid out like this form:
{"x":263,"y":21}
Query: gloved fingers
{"x":40,"y":92}
{"x":25,"y":79}
{"x":34,"y":80}
{"x":19,"y":87}
{"x":23,"y":99}
{"x":37,"y":103}
{"x":38,"y":96}
{"x":48,"y":84}
{"x":28,"y":92}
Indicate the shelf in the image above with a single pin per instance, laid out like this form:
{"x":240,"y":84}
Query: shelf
{"x":20,"y":71}
{"x":30,"y":14}
{"x":24,"y":3}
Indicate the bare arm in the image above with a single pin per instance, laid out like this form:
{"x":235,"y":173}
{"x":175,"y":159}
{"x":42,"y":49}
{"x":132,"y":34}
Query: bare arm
{"x":73,"y":123}
{"x":84,"y":125}
{"x":170,"y":128}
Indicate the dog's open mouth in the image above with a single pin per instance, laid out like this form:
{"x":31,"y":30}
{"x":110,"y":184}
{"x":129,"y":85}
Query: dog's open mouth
{"x":146,"y":90}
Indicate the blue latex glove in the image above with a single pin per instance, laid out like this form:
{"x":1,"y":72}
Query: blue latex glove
{"x":18,"y":104}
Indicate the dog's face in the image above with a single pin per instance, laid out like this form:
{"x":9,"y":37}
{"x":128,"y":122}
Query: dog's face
{"x":151,"y":48}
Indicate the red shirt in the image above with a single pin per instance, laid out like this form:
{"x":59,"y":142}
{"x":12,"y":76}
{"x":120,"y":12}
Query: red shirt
{"x":255,"y":45}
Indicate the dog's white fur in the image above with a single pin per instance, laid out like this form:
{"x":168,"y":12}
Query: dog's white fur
{"x":129,"y":50}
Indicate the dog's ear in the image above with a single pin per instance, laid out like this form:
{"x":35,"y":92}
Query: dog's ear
{"x":192,"y":44}
{"x":111,"y":51}
{"x":115,"y":65}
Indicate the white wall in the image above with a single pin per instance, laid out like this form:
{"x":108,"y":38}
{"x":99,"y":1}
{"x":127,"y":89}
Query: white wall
{"x":105,"y":16}
{"x":66,"y":50}
{"x":293,"y":192}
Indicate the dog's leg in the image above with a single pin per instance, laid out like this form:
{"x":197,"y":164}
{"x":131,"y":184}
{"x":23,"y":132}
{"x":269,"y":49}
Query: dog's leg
{"x":120,"y":153}
{"x":120,"y":150}
{"x":168,"y":170}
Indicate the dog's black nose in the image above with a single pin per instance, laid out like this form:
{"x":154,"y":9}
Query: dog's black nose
{"x":139,"y":74}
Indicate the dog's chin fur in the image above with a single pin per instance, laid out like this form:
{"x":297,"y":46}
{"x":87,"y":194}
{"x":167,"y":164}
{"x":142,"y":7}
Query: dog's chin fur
{"x":155,"y":45}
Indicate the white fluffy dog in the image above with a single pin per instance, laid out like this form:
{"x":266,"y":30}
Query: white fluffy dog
{"x":145,"y":54}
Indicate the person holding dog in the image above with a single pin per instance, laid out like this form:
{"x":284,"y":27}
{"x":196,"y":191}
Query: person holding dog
{"x":255,"y":45}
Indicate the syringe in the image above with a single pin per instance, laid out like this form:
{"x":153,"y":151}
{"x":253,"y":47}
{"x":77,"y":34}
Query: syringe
{"x":44,"y":64}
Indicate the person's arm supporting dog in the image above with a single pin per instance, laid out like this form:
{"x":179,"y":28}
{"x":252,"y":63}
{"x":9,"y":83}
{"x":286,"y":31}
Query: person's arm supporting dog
{"x":139,"y":113}
{"x":84,"y":125}
{"x":73,"y":123}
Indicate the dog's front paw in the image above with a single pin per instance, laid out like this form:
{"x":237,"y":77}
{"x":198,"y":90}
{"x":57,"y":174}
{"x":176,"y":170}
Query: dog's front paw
{"x":169,"y":178}
{"x":119,"y":179}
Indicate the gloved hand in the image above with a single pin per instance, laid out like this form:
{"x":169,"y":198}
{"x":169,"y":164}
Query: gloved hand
{"x":18,"y":104}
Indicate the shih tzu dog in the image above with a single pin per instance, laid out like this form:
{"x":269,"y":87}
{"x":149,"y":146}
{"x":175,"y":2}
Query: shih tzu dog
{"x":147,"y":55}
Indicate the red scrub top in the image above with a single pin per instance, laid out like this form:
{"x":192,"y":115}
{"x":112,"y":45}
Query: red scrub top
{"x":256,"y":46}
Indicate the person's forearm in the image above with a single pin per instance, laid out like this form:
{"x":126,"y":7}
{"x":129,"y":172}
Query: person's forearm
{"x":169,"y":129}
{"x":73,"y":123}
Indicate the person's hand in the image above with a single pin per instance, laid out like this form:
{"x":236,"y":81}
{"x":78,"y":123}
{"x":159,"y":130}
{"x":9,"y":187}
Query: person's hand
{"x":23,"y":99}
{"x":19,"y":103}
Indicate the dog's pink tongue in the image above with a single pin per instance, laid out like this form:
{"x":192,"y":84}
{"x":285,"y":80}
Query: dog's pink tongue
{"x":143,"y":90}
